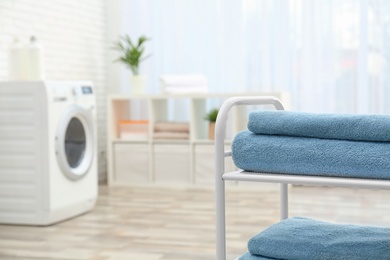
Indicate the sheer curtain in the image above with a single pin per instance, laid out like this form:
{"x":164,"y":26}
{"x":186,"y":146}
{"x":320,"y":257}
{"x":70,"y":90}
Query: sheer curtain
{"x":332,"y":56}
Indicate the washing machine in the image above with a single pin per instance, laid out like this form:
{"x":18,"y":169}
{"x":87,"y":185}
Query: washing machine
{"x":48,"y":151}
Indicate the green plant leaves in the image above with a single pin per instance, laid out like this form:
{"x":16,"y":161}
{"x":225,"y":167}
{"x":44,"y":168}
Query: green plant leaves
{"x":212,"y":115}
{"x":131,"y":55}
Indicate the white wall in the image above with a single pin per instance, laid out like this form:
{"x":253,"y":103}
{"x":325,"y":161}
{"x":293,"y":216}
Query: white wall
{"x":73,"y":33}
{"x":115,"y":28}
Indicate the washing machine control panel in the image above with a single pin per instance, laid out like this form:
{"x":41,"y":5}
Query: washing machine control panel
{"x":82,"y":90}
{"x":86,"y":90}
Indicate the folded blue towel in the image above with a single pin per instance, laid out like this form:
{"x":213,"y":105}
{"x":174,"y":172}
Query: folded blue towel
{"x":328,"y":126}
{"x":311,"y":156}
{"x":249,"y":256}
{"x":308,"y":239}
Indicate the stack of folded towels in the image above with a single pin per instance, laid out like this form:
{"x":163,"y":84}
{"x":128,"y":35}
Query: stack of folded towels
{"x":340,"y":145}
{"x":308,"y":239}
{"x":189,"y":83}
{"x":171,"y":130}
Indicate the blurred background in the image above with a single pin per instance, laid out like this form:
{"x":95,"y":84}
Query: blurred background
{"x":330,"y":56}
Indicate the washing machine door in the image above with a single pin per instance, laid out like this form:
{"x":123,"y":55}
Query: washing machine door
{"x":75,"y":142}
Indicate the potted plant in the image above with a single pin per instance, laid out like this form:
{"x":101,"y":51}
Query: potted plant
{"x":132,"y":55}
{"x":212,"y":117}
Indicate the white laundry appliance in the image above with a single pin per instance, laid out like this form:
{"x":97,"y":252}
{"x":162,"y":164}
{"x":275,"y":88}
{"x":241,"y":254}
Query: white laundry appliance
{"x":48,"y":153}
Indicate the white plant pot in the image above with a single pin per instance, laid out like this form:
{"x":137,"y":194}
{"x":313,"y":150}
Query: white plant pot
{"x":137,"y":84}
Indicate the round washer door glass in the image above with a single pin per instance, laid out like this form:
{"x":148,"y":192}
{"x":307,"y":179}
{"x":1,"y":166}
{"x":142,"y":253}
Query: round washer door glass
{"x":75,"y":142}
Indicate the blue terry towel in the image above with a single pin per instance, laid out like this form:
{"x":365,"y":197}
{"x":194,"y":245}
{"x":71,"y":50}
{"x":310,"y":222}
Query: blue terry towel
{"x":329,"y":126}
{"x":249,"y":256}
{"x":309,"y":239}
{"x":311,"y":156}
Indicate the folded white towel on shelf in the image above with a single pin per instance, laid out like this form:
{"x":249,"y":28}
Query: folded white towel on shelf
{"x":172,"y":127}
{"x":192,"y":89}
{"x":183,"y":83}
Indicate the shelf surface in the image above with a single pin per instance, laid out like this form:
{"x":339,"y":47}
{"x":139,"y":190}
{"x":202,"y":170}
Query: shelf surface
{"x":170,"y":141}
{"x":208,"y":141}
{"x":192,"y":95}
{"x":126,"y":141}
{"x":306,"y":180}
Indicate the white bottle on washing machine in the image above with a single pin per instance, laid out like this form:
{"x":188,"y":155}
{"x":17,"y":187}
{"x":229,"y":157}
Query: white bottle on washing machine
{"x":35,"y":60}
{"x":17,"y":61}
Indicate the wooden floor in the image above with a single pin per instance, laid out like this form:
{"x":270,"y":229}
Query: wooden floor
{"x":178,"y":224}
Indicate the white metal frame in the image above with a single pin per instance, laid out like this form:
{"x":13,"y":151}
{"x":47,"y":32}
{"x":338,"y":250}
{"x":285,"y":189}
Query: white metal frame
{"x":283,"y":179}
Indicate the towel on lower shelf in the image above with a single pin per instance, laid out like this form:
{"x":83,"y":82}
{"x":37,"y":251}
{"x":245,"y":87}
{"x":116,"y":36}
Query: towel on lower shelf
{"x":311,"y":156}
{"x":170,"y":126}
{"x":167,"y":135}
{"x":249,"y":256}
{"x":330,"y":126}
{"x":308,"y":239}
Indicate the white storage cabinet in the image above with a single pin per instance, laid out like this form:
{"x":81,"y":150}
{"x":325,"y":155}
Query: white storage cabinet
{"x":148,"y":161}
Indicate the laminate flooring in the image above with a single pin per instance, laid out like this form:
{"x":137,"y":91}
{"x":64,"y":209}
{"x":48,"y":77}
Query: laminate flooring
{"x":151,"y":223}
